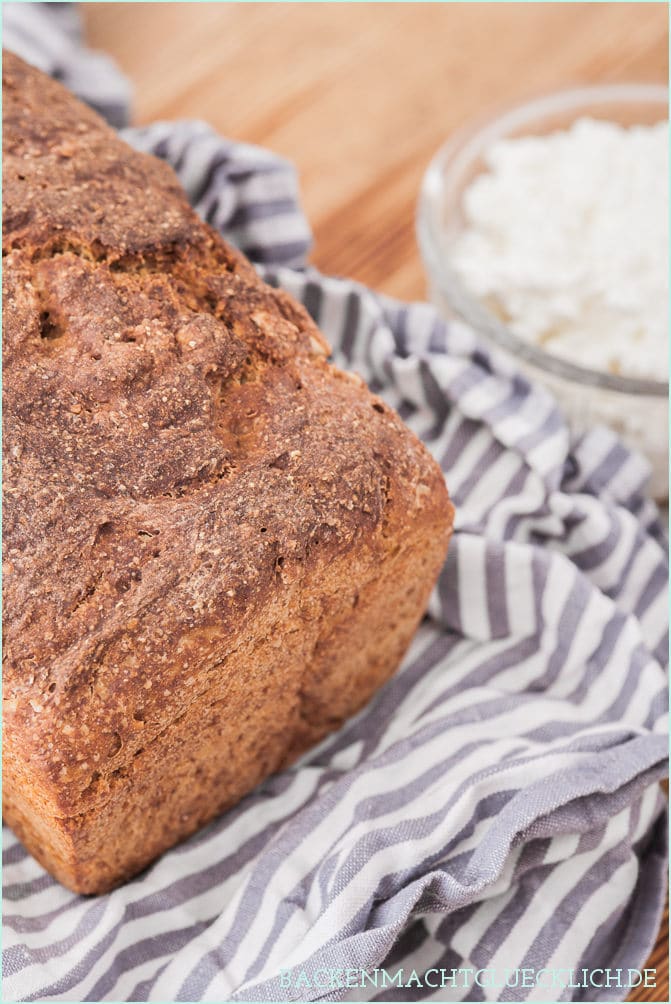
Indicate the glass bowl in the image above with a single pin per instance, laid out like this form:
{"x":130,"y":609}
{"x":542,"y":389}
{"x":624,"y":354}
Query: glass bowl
{"x":637,"y":409}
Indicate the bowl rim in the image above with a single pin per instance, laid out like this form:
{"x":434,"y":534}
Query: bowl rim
{"x":460,"y":148}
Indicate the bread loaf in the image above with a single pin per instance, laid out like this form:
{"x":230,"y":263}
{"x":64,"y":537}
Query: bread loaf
{"x":216,"y":544}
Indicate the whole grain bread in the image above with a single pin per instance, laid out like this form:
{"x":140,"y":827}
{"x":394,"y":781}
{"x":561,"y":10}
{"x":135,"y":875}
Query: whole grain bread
{"x":216,"y":544}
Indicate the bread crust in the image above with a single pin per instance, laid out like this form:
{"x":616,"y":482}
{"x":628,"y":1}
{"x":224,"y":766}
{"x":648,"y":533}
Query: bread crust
{"x":186,"y":477}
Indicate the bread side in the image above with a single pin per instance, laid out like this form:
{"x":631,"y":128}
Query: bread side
{"x":216,"y":545}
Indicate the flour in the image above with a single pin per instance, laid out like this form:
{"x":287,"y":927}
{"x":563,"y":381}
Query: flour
{"x":566,"y":240}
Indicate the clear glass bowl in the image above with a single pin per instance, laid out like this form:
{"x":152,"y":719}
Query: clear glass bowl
{"x":636,"y":408}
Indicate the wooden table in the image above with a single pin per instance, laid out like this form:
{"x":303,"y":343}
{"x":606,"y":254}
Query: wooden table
{"x":359,"y":96}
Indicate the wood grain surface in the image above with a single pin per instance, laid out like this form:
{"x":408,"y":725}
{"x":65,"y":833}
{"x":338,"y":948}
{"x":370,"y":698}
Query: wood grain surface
{"x":359,"y":97}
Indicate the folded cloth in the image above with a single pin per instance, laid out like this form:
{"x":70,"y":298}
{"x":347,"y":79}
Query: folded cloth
{"x":496,"y":806}
{"x":49,"y":36}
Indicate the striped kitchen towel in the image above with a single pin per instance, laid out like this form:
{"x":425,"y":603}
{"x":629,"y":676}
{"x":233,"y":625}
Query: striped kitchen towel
{"x":496,"y":808}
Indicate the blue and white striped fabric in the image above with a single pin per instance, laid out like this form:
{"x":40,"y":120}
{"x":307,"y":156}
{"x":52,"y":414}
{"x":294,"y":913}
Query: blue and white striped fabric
{"x":497,"y":805}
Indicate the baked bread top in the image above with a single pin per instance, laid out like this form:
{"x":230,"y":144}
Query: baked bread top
{"x":177,"y":447}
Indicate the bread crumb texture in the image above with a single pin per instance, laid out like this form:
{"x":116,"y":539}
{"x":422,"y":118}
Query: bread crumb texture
{"x":216,"y":544}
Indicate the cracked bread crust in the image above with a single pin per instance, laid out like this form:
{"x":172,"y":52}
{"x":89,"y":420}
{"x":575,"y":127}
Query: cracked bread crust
{"x":180,"y":459}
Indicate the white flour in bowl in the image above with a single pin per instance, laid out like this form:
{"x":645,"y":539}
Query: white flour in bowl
{"x":566,"y":239}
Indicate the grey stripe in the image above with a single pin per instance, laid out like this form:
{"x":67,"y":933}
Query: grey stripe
{"x":615,"y":591}
{"x":487,"y":459}
{"x":530,"y":874}
{"x":195,"y":985}
{"x":11,"y":855}
{"x":312,"y":300}
{"x":550,"y":933}
{"x":657,"y":583}
{"x":260,"y":211}
{"x":351,"y":322}
{"x":551,"y":424}
{"x":632,"y":938}
{"x":17,"y":957}
{"x":659,"y":705}
{"x":598,"y":553}
{"x":25,"y":924}
{"x":617,"y":710}
{"x":482,"y":862}
{"x":470,"y":378}
{"x":495,"y":571}
{"x":569,"y":622}
{"x":280,"y":251}
{"x":371,"y":808}
{"x":459,"y":440}
{"x":602,"y":475}
{"x":24,"y":890}
{"x":142,"y":989}
{"x":156,"y":947}
{"x":597,"y":660}
{"x":84,"y":967}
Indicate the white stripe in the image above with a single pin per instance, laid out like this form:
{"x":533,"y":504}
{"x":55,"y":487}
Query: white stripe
{"x":550,"y":453}
{"x":489,"y":486}
{"x":312,"y":928}
{"x":654,"y":621}
{"x":472,"y":930}
{"x":519,"y":592}
{"x":485,"y":395}
{"x":192,"y":862}
{"x":642,"y":567}
{"x":546,"y":898}
{"x":473,"y":596}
